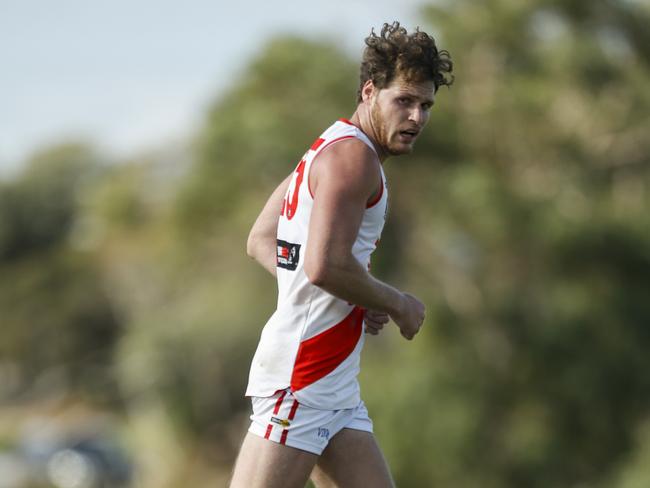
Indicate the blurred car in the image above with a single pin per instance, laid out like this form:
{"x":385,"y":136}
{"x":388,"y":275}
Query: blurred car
{"x":73,"y":462}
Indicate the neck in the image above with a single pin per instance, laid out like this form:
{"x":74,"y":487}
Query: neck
{"x":362,"y":119}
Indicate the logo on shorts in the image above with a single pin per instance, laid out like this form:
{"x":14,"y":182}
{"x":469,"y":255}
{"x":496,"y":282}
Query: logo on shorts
{"x":324,"y":433}
{"x":282,"y":422}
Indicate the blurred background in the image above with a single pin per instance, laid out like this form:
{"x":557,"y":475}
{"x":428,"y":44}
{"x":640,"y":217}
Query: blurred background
{"x":138,"y":142}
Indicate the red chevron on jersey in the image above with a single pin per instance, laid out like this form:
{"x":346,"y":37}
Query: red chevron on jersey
{"x":322,"y":353}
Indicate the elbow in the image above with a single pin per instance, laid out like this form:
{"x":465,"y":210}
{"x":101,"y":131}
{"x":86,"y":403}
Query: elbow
{"x":326,"y":272}
{"x":316,"y":273}
{"x":251,"y":245}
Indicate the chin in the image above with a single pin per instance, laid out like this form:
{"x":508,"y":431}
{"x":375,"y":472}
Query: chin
{"x":400,"y":150}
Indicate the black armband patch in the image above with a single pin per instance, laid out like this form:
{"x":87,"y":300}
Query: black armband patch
{"x":288,"y":255}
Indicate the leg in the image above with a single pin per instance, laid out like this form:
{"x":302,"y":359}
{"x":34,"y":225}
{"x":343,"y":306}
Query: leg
{"x":265,"y":464}
{"x":352,"y":459}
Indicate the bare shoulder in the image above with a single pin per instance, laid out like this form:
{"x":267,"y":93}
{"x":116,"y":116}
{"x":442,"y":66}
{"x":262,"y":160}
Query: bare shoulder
{"x":349,"y":164}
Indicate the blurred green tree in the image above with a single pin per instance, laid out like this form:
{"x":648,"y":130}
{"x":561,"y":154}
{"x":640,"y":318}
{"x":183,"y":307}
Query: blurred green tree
{"x":57,"y":323}
{"x":257,"y":132}
{"x":531,"y":251}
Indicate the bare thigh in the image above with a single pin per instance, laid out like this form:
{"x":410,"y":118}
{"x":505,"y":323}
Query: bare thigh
{"x":352,"y":459}
{"x":265,"y":464}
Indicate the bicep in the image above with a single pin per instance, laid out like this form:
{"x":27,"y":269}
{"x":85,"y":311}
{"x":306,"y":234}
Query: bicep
{"x":343,"y":182}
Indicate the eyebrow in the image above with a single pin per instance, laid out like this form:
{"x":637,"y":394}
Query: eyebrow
{"x":411,"y":94}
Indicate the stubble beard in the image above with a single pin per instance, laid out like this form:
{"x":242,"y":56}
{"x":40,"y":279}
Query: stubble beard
{"x":382,"y":133}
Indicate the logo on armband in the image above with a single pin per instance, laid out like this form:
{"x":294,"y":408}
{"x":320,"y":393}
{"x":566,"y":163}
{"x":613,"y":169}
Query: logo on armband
{"x":288,"y":255}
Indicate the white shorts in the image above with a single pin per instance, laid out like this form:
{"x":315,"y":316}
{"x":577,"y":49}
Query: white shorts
{"x":280,"y":418}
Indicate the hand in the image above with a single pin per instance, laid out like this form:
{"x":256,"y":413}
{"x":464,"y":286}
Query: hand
{"x":375,"y":321}
{"x":409,"y":316}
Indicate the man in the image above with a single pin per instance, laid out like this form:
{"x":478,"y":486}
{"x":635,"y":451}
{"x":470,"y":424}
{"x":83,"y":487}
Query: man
{"x":316,"y":234}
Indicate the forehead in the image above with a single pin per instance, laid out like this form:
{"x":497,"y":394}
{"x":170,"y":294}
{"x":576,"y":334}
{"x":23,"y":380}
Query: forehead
{"x":419,"y":89}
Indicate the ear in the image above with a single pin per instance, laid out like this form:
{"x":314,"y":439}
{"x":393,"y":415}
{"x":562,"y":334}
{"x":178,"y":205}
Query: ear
{"x":367,"y":90}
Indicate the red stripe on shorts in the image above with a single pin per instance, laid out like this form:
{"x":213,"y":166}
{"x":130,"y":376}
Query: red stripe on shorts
{"x":292,"y":414}
{"x":279,"y":402}
{"x":268,"y":431}
{"x":294,"y":407}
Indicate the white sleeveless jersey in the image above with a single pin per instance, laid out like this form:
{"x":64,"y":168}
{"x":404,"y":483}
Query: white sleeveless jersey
{"x":312,"y":343}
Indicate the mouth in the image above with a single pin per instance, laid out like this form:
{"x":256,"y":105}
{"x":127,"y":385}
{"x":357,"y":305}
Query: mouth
{"x":409,"y":135}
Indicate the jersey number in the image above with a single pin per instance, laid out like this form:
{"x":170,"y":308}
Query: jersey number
{"x":290,"y":203}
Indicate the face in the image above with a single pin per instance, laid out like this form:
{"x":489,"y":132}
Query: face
{"x":399,"y":112}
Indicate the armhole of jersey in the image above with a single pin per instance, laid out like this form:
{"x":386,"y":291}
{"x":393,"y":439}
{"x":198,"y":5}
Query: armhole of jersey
{"x":342,"y":138}
{"x":371,"y":204}
{"x":363,"y":138}
{"x":376,"y":200}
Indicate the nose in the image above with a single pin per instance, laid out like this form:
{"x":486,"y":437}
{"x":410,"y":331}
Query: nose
{"x":417,"y":115}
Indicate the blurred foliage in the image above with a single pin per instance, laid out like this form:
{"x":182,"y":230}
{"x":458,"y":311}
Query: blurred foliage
{"x":521,"y":219}
{"x":55,"y":313}
{"x":532,"y":251}
{"x":38,"y":209}
{"x":254,"y":133}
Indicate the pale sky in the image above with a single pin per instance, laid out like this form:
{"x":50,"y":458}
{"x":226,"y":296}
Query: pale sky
{"x":129,"y":75}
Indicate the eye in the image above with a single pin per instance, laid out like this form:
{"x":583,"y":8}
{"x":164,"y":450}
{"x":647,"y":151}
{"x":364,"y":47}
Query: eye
{"x":403,"y":100}
{"x":427,"y":106}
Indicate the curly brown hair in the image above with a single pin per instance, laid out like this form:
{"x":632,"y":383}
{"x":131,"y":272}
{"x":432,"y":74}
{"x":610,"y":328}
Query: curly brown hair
{"x":396,"y":52}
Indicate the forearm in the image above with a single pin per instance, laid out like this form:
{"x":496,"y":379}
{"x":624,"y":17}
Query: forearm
{"x":263,"y":250}
{"x":350,"y":281}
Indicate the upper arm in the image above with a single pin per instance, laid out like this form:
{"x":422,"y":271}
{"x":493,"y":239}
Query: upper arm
{"x":343,"y":178}
{"x":266,"y":224}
